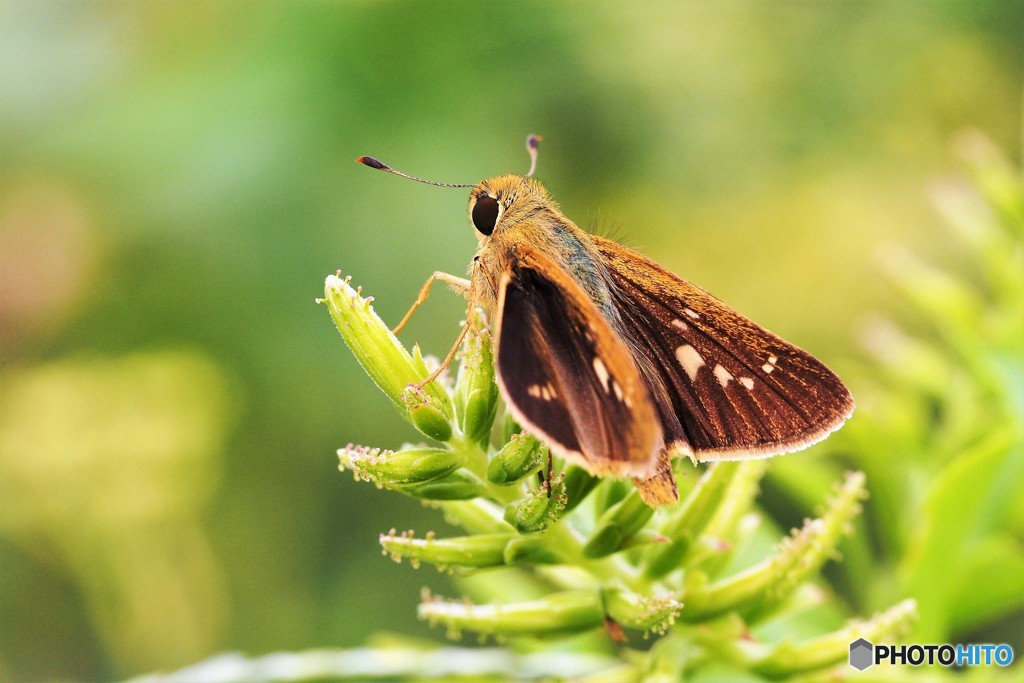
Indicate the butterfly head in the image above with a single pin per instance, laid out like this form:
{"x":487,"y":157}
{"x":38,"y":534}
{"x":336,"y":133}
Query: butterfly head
{"x":503,"y":200}
{"x":497,"y":202}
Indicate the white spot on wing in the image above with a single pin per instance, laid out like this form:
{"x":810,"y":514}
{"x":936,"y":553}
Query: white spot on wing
{"x":546,"y":392}
{"x":618,"y":390}
{"x":692,"y":313}
{"x":770,"y":365}
{"x":602,"y":373}
{"x":747,"y":382}
{"x":689,"y":359}
{"x":680,"y":324}
{"x":723,"y":375}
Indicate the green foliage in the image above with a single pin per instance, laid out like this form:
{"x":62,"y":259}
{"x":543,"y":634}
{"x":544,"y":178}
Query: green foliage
{"x":575,"y":577}
{"x":610,"y":565}
{"x":175,"y":178}
{"x":969,"y":447}
{"x":940,"y":424}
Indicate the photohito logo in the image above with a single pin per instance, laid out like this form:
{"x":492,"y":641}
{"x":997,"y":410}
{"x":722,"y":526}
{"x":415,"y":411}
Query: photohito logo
{"x":864,"y":653}
{"x":861,"y":654}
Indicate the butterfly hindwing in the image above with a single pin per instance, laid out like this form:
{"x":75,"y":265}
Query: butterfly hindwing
{"x":725,"y":387}
{"x":567,"y":376}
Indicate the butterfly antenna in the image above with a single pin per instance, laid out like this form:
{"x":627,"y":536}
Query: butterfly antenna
{"x":381,"y":166}
{"x":531,"y":147}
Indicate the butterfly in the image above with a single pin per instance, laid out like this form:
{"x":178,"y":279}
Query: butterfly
{"x":615,"y":362}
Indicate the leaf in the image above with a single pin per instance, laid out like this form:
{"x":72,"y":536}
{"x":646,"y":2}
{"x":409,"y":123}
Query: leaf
{"x":970,"y":498}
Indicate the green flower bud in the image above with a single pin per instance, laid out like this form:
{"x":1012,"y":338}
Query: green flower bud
{"x":425,"y":416}
{"x":391,"y":469}
{"x":755,"y":592}
{"x":618,"y":525}
{"x":522,"y":532}
{"x":520,"y":457}
{"x":656,"y":613}
{"x":790,"y":659}
{"x":476,"y":392}
{"x":808,"y":549}
{"x":566,"y":612}
{"x":538,"y":509}
{"x":459,"y":485}
{"x":380,"y":353}
{"x":484,"y":550}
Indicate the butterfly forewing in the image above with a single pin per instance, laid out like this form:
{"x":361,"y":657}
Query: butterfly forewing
{"x":725,"y":387}
{"x":567,"y":376}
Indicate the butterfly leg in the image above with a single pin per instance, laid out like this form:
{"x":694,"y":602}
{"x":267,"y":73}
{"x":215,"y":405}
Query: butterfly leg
{"x":551,"y":471}
{"x":478,"y":264}
{"x":459,"y":284}
{"x":455,"y":347}
{"x":546,"y":476}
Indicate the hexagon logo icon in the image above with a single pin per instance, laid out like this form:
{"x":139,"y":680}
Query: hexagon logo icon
{"x":862,"y":654}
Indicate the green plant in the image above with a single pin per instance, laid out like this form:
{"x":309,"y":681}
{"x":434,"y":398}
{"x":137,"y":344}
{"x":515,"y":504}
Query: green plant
{"x":940,"y":425}
{"x":560,"y":553}
{"x":575,"y":578}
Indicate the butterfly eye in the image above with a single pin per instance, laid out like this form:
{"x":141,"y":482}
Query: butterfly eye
{"x":485,"y":214}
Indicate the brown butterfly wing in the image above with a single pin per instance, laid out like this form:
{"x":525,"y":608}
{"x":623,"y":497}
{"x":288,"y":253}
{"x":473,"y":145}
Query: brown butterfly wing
{"x":567,"y":376}
{"x":725,"y":387}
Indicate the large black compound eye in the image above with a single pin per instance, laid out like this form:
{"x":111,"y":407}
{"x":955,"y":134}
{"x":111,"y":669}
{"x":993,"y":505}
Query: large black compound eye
{"x":485,"y":214}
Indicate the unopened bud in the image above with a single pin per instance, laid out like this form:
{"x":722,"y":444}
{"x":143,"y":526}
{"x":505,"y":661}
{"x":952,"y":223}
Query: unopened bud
{"x":538,"y":509}
{"x":484,"y":550}
{"x":476,"y":392}
{"x":380,"y":353}
{"x":557,"y":613}
{"x":642,"y":613}
{"x":392,"y":469}
{"x":425,"y":415}
{"x":520,"y":457}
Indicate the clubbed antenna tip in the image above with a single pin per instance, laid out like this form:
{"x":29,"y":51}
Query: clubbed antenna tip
{"x":531,"y":147}
{"x":373,"y":163}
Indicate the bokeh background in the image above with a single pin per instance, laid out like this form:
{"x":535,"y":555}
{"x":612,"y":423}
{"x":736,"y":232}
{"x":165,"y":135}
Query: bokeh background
{"x":176,"y":180}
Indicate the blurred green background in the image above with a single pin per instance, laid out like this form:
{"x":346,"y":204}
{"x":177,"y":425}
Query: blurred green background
{"x":176,"y":180}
